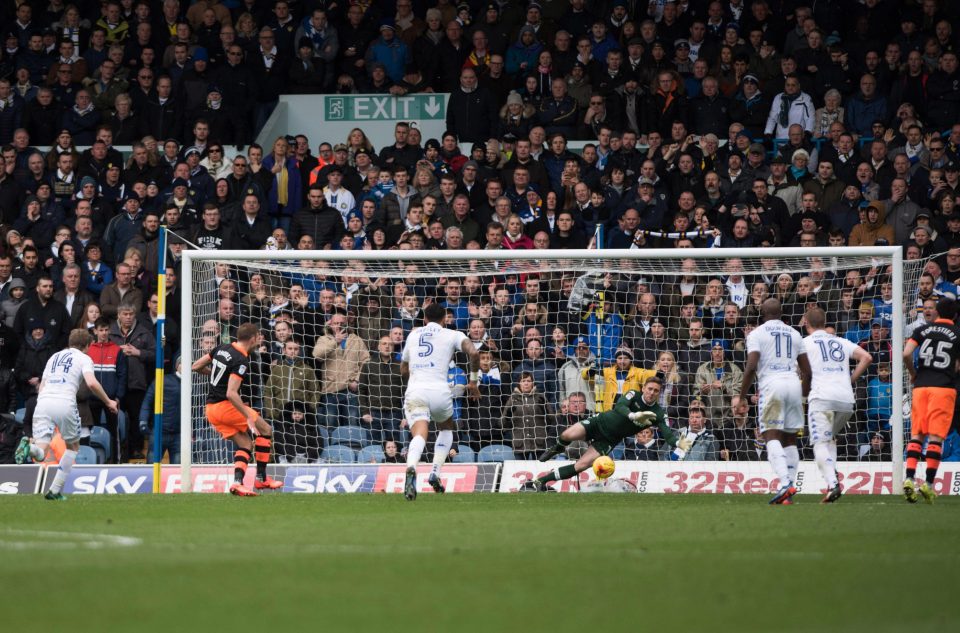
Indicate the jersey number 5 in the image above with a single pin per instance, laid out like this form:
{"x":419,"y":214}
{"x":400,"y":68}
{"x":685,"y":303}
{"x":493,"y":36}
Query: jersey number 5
{"x":935,"y":355}
{"x":426,"y":347}
{"x":217,"y":370}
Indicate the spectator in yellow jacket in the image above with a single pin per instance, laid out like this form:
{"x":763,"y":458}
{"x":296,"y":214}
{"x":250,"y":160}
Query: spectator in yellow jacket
{"x":619,"y":378}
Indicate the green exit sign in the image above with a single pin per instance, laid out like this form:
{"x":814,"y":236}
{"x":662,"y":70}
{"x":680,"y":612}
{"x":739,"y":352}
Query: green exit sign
{"x":383,"y":108}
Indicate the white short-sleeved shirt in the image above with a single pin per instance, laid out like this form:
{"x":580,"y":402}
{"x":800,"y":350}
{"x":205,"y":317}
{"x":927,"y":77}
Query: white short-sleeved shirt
{"x":428,"y":352}
{"x":780,"y":346}
{"x":829,"y":358}
{"x":63,"y":373}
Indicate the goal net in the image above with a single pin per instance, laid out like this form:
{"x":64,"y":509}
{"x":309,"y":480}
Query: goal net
{"x":561,"y":335}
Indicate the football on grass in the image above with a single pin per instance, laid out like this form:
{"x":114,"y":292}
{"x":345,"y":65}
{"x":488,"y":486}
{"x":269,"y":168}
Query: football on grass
{"x":603,"y":467}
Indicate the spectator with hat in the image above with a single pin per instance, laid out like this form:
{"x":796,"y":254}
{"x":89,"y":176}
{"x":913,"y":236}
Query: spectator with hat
{"x":618,"y":378}
{"x":37,"y":345}
{"x":390,"y":51}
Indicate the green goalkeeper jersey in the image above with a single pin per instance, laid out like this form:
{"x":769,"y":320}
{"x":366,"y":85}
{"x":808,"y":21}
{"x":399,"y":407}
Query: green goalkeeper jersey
{"x":610,"y":427}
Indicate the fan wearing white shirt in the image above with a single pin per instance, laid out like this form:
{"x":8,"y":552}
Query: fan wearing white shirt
{"x":424,"y":362}
{"x":831,"y":400}
{"x":775,"y":353}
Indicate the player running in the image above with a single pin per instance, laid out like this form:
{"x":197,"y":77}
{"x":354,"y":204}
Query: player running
{"x":831,"y":400}
{"x":934,"y":394}
{"x":632,"y":412}
{"x":425,"y":360}
{"x":228,"y":366}
{"x":57,"y":407}
{"x":774,"y":353}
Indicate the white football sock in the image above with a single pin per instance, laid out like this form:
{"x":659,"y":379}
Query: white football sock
{"x":833,"y":453}
{"x":66,"y":463}
{"x":826,"y":463}
{"x":415,"y":450}
{"x":37,"y":454}
{"x":441,"y":448}
{"x":792,"y":455}
{"x":778,"y":461}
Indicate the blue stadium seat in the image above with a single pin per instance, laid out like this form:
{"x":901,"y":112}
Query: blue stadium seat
{"x":618,"y":452}
{"x":464,"y":455}
{"x":100,"y":440}
{"x":352,"y":436}
{"x":121,"y":425}
{"x":495,"y":453}
{"x":337,"y":454}
{"x":324,"y":435}
{"x":372,"y":453}
{"x":86,"y":455}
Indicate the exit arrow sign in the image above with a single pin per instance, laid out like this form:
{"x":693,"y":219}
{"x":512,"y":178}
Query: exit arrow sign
{"x":384,"y":108}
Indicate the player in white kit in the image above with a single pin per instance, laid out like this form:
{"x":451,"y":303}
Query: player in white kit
{"x":425,"y":360}
{"x":774,"y":354}
{"x":57,"y":406}
{"x":831,"y":400}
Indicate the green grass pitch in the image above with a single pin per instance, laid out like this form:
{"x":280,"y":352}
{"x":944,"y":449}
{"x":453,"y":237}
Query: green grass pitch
{"x":481,"y":562}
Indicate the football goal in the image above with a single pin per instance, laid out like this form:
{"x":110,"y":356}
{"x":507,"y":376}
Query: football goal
{"x":561,"y":334}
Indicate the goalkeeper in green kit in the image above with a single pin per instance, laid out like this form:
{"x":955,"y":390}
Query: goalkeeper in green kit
{"x":634,"y":411}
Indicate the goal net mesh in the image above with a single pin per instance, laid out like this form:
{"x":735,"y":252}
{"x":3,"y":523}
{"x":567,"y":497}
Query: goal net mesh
{"x":560,"y":338}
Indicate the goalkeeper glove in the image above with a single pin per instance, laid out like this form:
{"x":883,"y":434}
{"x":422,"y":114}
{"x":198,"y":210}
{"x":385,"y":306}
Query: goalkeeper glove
{"x":643,"y":417}
{"x":684,"y":444}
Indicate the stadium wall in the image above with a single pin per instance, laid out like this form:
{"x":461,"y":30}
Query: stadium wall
{"x":646,"y":477}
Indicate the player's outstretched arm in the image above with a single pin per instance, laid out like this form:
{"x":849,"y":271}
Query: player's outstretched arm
{"x":909,"y":347}
{"x":863,"y":359}
{"x":97,"y":389}
{"x":804,"y":365}
{"x":749,"y":373}
{"x":202,"y":364}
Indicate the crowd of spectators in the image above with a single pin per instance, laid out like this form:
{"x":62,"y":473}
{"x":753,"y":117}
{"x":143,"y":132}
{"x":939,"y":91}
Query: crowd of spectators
{"x":731,"y":124}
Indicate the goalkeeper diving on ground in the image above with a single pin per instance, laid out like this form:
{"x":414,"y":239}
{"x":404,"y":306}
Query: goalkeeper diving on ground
{"x":633,"y":412}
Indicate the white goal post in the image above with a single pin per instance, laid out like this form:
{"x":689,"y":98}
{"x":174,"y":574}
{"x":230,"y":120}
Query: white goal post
{"x":641,"y":272}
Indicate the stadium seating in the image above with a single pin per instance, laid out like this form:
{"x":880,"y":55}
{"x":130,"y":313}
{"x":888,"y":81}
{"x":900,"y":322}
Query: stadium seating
{"x":100,"y":441}
{"x":337,"y":454}
{"x":86,"y":455}
{"x":372,"y":453}
{"x":495,"y":453}
{"x":464,"y":455}
{"x":353,"y":436}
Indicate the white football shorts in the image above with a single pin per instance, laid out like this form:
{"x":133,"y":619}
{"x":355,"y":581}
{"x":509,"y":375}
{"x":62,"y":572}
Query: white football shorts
{"x":825,"y":419}
{"x":56,"y":414}
{"x":435,"y":405}
{"x":781,"y":407}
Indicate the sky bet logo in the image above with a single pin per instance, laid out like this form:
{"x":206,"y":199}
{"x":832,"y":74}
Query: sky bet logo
{"x":108,"y":481}
{"x":330,"y":480}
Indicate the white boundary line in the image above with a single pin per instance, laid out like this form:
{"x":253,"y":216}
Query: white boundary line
{"x":63,"y":540}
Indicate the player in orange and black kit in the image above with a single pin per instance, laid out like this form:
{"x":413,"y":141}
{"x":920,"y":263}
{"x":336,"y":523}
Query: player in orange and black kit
{"x":934,"y":394}
{"x":228,"y":367}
